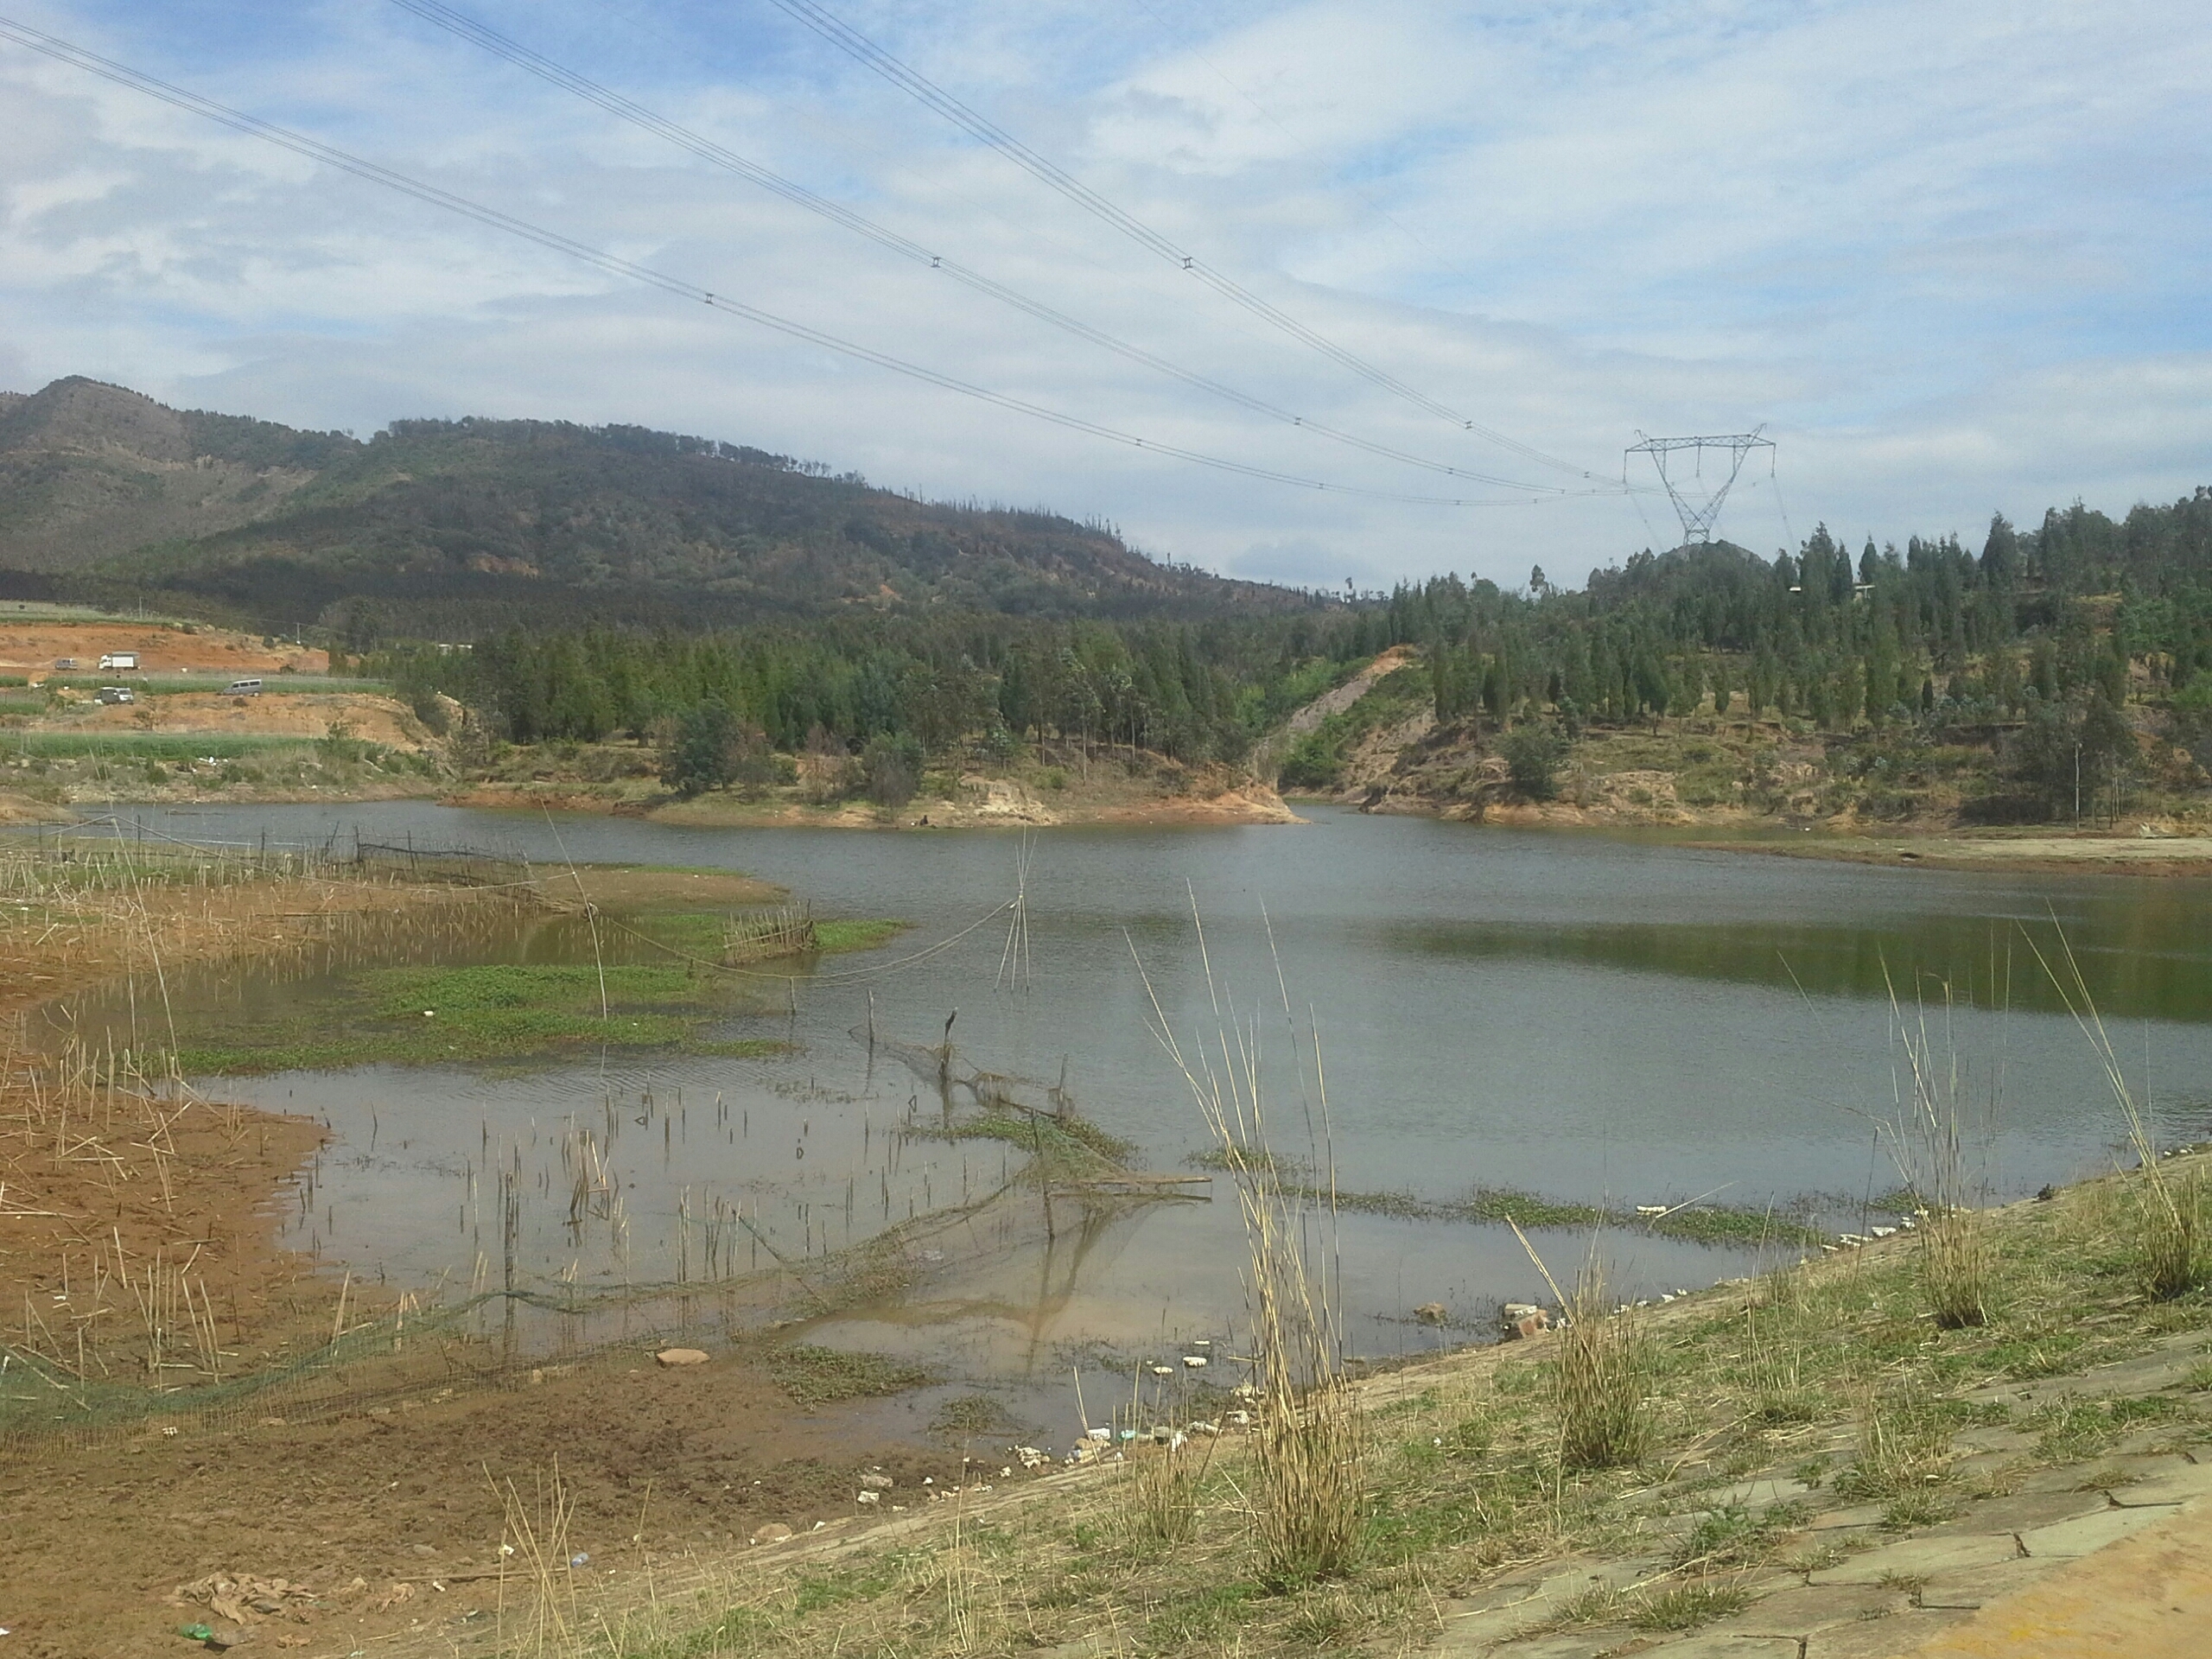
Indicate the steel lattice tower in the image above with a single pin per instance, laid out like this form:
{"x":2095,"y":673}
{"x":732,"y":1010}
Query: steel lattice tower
{"x":1699,"y":508}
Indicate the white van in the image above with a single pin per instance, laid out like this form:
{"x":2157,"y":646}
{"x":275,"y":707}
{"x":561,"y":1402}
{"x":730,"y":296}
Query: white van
{"x":125,"y":660}
{"x":242,"y":689}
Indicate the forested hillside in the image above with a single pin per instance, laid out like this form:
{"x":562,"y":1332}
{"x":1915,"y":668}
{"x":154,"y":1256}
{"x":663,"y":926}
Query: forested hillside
{"x":2081,"y":649}
{"x":442,"y":529}
{"x":2067,"y":664}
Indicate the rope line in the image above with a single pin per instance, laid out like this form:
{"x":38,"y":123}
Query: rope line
{"x":315,"y":149}
{"x":706,"y":149}
{"x":864,"y":51}
{"x":839,"y":976}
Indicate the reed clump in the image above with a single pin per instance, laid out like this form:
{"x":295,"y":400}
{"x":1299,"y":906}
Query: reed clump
{"x":1604,"y":1373}
{"x":1903,"y":1448}
{"x":1163,"y":1494}
{"x":2171,"y":1232}
{"x":1928,"y":1136}
{"x":1309,"y":1496}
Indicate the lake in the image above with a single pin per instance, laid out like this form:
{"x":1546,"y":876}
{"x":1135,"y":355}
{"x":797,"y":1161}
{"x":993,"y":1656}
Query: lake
{"x":1588,"y":1017}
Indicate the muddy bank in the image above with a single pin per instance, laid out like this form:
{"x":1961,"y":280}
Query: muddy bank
{"x":140,"y":1252}
{"x":977,"y":803}
{"x":391,"y":1515}
{"x":2136,"y":855}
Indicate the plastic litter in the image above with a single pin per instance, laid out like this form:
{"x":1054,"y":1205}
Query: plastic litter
{"x":199,"y":1633}
{"x":579,"y":1559}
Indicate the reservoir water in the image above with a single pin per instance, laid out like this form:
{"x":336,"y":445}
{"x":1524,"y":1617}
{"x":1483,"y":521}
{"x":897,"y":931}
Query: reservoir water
{"x":1591,"y":1018}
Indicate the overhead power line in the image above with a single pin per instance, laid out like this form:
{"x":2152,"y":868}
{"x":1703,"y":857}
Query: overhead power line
{"x":315,"y":149}
{"x":912,"y":81}
{"x":706,"y":149}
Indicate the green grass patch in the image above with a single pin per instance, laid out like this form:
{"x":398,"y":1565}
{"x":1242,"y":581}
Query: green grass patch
{"x":1699,"y":1224}
{"x":834,"y":938}
{"x":1688,"y":1605}
{"x":702,"y":933}
{"x":820,"y":1376}
{"x":1068,"y":1144}
{"x":418,"y":1015}
{"x":273,"y":683}
{"x":171,"y":746}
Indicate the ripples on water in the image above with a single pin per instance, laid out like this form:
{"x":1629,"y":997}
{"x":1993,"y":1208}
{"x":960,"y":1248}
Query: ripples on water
{"x":1596,"y":1019}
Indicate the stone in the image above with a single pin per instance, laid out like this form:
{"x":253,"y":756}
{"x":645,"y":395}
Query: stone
{"x":1964,"y":1592}
{"x":1850,"y":1517}
{"x":675,"y":1356}
{"x":1534,"y":1323}
{"x":221,"y":1638}
{"x":1804,"y":1609}
{"x":1194,"y":1362}
{"x":867,"y":1497}
{"x":1758,"y":1494}
{"x":2176,"y":1485}
{"x":874,"y":1481}
{"x":1732,"y":1644}
{"x":1430,"y":1313}
{"x":1883,"y":1638}
{"x":2093,"y":1532}
{"x":2022,"y":1511}
{"x":774,"y":1533}
{"x":1920,"y":1558}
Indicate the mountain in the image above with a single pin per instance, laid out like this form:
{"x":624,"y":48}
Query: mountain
{"x":451,"y":525}
{"x":88,"y":470}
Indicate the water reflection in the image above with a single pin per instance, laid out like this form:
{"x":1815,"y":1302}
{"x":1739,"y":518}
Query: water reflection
{"x":1591,"y":1018}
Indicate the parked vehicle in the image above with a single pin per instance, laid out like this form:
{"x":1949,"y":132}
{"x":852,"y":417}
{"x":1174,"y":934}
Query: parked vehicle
{"x":64,"y":664}
{"x":127,"y":661}
{"x":113,"y":693}
{"x":242,"y":689}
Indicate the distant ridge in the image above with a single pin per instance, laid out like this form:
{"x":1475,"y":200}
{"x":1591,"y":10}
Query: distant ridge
{"x":451,"y":525}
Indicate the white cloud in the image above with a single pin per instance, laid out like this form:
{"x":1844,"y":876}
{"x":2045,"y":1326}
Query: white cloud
{"x":1953,"y":255}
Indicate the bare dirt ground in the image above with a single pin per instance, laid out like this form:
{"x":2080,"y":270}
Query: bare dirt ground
{"x":31,"y":649}
{"x":390,"y":1516}
{"x":303,"y":715}
{"x":376,"y":1501}
{"x":2133,"y":854}
{"x":1110,"y":790}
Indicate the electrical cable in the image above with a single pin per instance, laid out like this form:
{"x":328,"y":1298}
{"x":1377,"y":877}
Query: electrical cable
{"x":315,"y":150}
{"x":864,"y":51}
{"x":616,"y":103}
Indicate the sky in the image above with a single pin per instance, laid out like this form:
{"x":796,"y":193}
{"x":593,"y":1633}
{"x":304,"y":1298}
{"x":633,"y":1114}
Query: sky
{"x":1951,"y":259}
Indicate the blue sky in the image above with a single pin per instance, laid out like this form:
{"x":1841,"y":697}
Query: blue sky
{"x":1954,"y":259}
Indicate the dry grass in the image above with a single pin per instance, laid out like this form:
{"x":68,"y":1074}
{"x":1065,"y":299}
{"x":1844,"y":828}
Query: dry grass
{"x":1926,"y":1137}
{"x":2171,"y":1231}
{"x":1309,"y":1496}
{"x":544,"y":1619}
{"x":1162,"y":1492}
{"x":1903,"y":1448}
{"x":1606,"y":1370}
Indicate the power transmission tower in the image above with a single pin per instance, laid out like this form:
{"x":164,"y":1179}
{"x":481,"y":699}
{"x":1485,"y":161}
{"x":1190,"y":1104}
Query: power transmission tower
{"x":1697,"y":504}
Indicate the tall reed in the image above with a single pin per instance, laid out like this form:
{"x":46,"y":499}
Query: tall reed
{"x":1927,"y":1136}
{"x":2171,"y":1258}
{"x":537,"y":1546}
{"x":1309,"y":1497}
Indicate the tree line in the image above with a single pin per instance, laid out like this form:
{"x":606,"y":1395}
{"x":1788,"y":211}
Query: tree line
{"x":2046,"y":634}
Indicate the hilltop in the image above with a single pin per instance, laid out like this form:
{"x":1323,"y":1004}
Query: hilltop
{"x":449,"y":527}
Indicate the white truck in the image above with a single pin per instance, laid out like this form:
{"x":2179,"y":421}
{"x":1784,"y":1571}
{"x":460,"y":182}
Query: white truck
{"x":124,"y":661}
